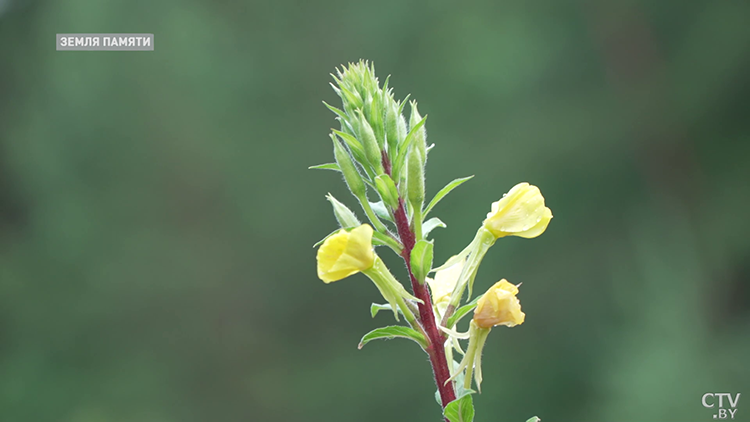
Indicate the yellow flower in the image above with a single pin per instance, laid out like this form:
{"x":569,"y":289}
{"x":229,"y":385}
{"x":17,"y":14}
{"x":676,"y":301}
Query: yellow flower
{"x":521,"y":212}
{"x":444,"y":282}
{"x":499,"y":306}
{"x":346,"y":253}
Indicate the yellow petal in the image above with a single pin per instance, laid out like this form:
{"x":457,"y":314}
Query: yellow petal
{"x":345,"y":253}
{"x":521,"y":212}
{"x":445,"y":280}
{"x":499,"y":306}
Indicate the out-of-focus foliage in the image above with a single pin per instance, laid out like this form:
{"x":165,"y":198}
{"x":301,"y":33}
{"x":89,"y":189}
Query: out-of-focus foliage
{"x":157,"y":214}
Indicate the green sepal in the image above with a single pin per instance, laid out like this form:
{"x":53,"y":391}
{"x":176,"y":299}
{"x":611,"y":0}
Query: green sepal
{"x":462,"y":311}
{"x":377,"y":307}
{"x":421,"y":259}
{"x":392,"y":332}
{"x":329,"y":166}
{"x":431,"y":224}
{"x":320,"y":242}
{"x":444,"y":191}
{"x":338,"y":112}
{"x":461,"y":409}
{"x":458,"y":382}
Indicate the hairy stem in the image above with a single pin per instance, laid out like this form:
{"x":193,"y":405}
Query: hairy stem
{"x":435,"y":350}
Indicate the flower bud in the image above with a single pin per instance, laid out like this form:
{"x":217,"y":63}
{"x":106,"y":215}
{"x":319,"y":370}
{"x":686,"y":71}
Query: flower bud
{"x":499,"y":306}
{"x":351,"y":175}
{"x":370,"y":144}
{"x":346,"y":218}
{"x":374,"y":112}
{"x":415,"y":178}
{"x":391,"y":123}
{"x":346,"y":253}
{"x":420,"y":138}
{"x":387,"y":190}
{"x":521,"y":212}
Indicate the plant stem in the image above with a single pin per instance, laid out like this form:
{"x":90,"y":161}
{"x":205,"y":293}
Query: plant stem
{"x":435,"y":350}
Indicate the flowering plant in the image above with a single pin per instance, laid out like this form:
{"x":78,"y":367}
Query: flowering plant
{"x":377,"y":150}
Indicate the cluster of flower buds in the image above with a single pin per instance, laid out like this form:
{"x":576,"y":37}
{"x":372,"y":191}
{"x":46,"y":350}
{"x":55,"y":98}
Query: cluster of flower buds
{"x":376,"y":150}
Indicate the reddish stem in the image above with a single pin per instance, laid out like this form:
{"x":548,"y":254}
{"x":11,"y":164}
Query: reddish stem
{"x":435,"y":350}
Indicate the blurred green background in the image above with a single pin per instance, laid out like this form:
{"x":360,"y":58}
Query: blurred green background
{"x":157,"y":216}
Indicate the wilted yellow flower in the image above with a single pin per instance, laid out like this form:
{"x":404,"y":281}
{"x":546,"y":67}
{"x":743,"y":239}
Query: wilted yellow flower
{"x":521,"y":212}
{"x":346,"y":253}
{"x":499,"y":306}
{"x":443,"y":284}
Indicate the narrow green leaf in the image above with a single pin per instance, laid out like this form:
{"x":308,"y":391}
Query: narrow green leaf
{"x":377,"y":307}
{"x":403,"y":103}
{"x":460,"y":410}
{"x":431,"y":224}
{"x":462,"y":311}
{"x":534,"y":419}
{"x":404,"y":147}
{"x":444,"y":191}
{"x":391,"y":332}
{"x":329,"y":166}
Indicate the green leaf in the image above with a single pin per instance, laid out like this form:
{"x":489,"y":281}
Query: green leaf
{"x":460,"y":312}
{"x":444,"y":191}
{"x":329,"y":166}
{"x":391,"y":332}
{"x":431,"y":224}
{"x":534,"y":419}
{"x":421,"y":259}
{"x":460,"y":410}
{"x":377,"y":307}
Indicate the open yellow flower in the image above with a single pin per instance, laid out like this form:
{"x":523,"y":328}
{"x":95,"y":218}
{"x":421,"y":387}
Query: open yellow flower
{"x":521,"y":212}
{"x":346,"y":253}
{"x":499,"y":306}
